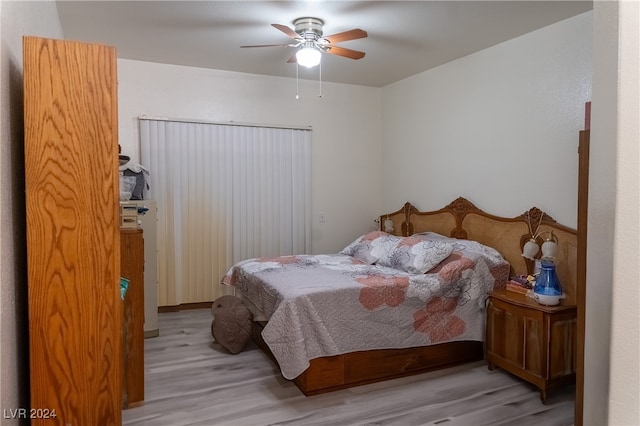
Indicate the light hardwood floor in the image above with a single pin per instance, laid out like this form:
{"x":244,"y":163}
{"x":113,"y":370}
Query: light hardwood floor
{"x":190,"y":380}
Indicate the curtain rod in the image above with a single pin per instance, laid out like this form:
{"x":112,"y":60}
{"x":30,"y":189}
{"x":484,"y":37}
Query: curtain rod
{"x":224,"y":123}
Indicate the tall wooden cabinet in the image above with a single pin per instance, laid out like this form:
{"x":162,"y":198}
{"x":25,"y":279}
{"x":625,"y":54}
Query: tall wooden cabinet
{"x":73,"y":238}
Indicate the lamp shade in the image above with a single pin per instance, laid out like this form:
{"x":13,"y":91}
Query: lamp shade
{"x":550,"y":247}
{"x":530,"y":249}
{"x":388,"y":225}
{"x":308,"y":56}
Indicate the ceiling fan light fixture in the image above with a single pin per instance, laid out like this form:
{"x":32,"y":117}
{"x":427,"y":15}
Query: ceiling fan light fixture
{"x":308,"y":55}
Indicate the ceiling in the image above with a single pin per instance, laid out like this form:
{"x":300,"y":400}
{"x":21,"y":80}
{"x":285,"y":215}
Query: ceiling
{"x":405,"y":37}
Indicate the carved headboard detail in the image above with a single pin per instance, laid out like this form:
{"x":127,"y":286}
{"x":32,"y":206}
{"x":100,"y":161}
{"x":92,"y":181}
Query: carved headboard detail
{"x":462,"y":219}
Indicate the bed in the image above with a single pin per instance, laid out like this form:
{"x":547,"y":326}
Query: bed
{"x":391,"y":304}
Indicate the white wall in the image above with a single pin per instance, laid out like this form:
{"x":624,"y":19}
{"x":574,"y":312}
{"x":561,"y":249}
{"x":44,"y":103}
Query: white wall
{"x":601,"y":220}
{"x":499,"y":127}
{"x":345,"y":121}
{"x":16,"y":20}
{"x":612,"y":344}
{"x":624,"y":393}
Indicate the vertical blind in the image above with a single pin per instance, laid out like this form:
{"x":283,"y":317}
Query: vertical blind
{"x":225,"y":193}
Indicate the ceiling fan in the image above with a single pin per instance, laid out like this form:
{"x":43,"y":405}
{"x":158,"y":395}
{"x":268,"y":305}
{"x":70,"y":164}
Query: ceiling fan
{"x":308,"y":38}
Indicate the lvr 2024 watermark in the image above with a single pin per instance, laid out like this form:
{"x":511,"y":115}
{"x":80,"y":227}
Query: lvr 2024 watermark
{"x":28,"y":413}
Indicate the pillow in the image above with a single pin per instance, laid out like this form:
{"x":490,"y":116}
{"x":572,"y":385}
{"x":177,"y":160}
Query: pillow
{"x":433,"y":236}
{"x":415,"y":255}
{"x":464,"y":245}
{"x":470,"y":252}
{"x":231,"y":325}
{"x":370,"y":247}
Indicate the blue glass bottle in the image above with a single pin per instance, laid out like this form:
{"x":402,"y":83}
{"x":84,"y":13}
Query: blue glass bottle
{"x":548,"y":290}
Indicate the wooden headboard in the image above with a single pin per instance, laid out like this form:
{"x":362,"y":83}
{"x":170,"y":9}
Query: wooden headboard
{"x":462,"y":219}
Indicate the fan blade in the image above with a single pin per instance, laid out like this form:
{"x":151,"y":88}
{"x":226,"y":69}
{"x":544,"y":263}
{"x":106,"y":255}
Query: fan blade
{"x":347,"y":35}
{"x":347,"y":53}
{"x":293,"y":59}
{"x":288,"y":31}
{"x":272,"y":45}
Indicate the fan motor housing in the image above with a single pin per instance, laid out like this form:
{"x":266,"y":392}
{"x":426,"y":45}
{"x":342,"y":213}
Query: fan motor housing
{"x":309,"y":28}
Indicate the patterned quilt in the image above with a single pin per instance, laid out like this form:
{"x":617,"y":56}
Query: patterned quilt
{"x":324,"y":305}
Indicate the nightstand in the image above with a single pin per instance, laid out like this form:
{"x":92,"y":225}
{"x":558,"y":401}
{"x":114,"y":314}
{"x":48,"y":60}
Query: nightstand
{"x":534,"y":342}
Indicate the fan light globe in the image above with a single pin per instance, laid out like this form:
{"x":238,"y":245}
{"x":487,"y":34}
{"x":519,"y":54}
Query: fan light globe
{"x":308,"y":56}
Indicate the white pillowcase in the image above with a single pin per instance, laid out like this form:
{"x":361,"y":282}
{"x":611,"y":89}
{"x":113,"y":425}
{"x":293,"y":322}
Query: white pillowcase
{"x":370,"y":247}
{"x":415,"y":255}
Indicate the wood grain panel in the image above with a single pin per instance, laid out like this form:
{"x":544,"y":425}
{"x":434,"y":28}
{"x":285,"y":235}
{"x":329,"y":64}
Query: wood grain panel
{"x":132,"y":268}
{"x":534,"y":345}
{"x":495,"y":340}
{"x":73,"y":249}
{"x":563,"y":347}
{"x":359,"y":368}
{"x":329,"y":372}
{"x":513,"y":338}
{"x":371,"y":365}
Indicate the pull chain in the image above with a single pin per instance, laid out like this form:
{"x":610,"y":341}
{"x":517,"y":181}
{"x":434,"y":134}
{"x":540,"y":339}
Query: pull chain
{"x":320,"y":79}
{"x":297,"y":86}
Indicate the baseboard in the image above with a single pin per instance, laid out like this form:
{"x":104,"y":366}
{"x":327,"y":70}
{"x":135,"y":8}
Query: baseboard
{"x":184,"y":306}
{"x":151,"y":333}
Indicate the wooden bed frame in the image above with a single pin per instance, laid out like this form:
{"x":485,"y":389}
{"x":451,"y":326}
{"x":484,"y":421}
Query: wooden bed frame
{"x":459,"y":219}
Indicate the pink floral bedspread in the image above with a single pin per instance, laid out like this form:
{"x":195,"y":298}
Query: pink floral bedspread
{"x":324,"y":305}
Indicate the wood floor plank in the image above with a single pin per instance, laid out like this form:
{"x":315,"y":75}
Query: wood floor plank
{"x":190,"y":380}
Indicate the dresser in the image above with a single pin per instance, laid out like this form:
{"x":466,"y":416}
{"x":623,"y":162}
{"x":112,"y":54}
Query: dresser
{"x":534,"y":342}
{"x":132,"y":268}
